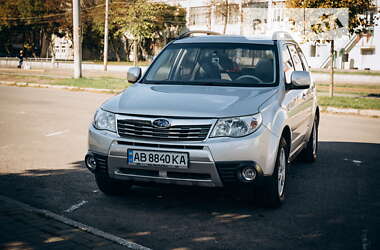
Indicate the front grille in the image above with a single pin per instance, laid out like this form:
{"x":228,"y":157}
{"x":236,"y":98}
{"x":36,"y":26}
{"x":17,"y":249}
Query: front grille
{"x":144,"y":129}
{"x":142,"y":172}
{"x":195,"y":176}
{"x":170,"y":174}
{"x":154,"y":145}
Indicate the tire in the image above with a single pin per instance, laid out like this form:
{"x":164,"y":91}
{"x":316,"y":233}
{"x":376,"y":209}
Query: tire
{"x":310,"y":152}
{"x":110,"y":186}
{"x":273,"y":192}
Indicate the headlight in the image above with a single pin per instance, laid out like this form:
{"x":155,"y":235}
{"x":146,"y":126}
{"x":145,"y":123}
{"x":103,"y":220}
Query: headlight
{"x":105,"y":120}
{"x":237,"y":126}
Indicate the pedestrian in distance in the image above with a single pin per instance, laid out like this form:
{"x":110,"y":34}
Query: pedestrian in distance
{"x":21,"y":59}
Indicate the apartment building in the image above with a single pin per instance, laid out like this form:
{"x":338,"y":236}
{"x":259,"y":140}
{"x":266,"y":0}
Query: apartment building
{"x":246,"y":17}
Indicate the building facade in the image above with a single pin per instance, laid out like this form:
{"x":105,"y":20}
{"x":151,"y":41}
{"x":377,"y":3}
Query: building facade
{"x":245,"y":17}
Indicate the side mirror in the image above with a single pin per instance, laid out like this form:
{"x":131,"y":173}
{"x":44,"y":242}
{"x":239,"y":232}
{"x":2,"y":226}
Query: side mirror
{"x":134,"y":74}
{"x":300,"y":80}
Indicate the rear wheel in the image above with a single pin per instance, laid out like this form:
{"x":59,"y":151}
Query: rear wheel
{"x":111,"y":186}
{"x":310,"y":152}
{"x":273,"y":192}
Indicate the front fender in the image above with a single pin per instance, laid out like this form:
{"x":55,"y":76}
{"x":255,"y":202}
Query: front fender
{"x":275,"y":120}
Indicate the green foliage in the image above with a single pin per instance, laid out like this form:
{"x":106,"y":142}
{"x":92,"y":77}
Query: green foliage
{"x":142,"y":19}
{"x":138,"y":19}
{"x":145,"y":21}
{"x":32,"y":20}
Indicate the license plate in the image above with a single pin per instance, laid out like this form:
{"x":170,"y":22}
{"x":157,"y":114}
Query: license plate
{"x":158,"y":158}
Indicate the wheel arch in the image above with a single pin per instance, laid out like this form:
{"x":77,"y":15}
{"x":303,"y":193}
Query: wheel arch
{"x":287,"y":135}
{"x":317,"y":115}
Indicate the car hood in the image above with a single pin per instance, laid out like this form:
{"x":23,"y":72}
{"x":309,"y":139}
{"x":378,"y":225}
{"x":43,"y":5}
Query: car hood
{"x":189,"y":101}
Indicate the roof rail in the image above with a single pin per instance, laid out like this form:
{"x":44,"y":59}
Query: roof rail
{"x":281,"y":35}
{"x":189,"y":33}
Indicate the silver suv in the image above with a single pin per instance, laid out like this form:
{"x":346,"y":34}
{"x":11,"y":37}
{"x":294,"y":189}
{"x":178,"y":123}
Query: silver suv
{"x":215,"y":111}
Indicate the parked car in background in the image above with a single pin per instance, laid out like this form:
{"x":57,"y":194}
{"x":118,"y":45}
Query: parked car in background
{"x":214,"y":111}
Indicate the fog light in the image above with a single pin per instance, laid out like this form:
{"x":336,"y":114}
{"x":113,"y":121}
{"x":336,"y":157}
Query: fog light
{"x":248,"y":173}
{"x":90,"y":162}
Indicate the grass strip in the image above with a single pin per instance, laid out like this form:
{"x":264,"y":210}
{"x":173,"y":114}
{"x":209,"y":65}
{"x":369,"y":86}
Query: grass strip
{"x":349,"y":102}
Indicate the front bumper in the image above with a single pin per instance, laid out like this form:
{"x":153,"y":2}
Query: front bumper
{"x":215,"y":162}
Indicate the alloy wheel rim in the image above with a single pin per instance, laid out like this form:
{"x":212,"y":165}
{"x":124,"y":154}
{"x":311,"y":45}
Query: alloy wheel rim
{"x":281,"y":172}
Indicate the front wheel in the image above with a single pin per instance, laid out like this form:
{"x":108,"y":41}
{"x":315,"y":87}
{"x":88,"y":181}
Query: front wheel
{"x":273,"y":191}
{"x":110,"y":186}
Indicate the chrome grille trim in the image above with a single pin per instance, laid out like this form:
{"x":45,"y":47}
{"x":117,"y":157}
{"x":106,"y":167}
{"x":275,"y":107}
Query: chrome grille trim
{"x":180,"y":129}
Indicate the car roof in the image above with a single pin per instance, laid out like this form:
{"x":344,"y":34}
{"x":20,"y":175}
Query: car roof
{"x":262,"y":39}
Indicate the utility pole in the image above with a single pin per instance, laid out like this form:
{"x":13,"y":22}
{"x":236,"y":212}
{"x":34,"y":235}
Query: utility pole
{"x":77,"y":40}
{"x":105,"y":52}
{"x":332,"y":52}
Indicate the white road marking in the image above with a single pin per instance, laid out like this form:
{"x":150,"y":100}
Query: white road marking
{"x":75,"y":207}
{"x":57,"y":133}
{"x":357,"y":162}
{"x":73,"y":223}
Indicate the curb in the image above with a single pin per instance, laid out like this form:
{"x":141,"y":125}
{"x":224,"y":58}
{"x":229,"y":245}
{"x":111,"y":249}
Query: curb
{"x":349,"y":111}
{"x":362,"y":112}
{"x":70,"y":222}
{"x":65,"y":87}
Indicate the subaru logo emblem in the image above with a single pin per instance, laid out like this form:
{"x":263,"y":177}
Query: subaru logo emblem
{"x":161,"y":123}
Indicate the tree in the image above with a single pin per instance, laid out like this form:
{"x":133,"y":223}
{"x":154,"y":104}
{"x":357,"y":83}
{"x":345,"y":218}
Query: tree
{"x":357,"y":24}
{"x":144,"y":20}
{"x":35,"y":21}
{"x":140,"y":23}
{"x":225,"y":10}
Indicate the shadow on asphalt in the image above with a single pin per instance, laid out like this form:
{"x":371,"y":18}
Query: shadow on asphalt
{"x":328,"y":200}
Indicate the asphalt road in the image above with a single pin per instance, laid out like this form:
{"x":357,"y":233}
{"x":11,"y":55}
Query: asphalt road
{"x":332,"y":204}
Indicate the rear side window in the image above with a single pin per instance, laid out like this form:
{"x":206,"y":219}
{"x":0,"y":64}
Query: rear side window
{"x":304,"y":62}
{"x":296,"y":58}
{"x":287,"y":62}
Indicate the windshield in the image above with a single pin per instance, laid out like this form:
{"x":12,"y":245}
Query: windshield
{"x":215,"y":64}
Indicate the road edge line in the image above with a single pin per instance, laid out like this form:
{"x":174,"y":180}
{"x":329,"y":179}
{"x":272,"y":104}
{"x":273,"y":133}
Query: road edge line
{"x":64,"y":87}
{"x":76,"y":224}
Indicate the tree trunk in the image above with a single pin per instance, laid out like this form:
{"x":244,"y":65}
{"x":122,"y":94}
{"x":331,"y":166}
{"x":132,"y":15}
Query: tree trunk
{"x":135,"y":58}
{"x":227,"y":12}
{"x":127,"y":49}
{"x":332,"y":68}
{"x":115,"y":50}
{"x":46,"y":40}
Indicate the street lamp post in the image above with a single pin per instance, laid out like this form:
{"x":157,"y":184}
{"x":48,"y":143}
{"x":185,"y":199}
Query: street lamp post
{"x":77,"y":40}
{"x":105,"y":52}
